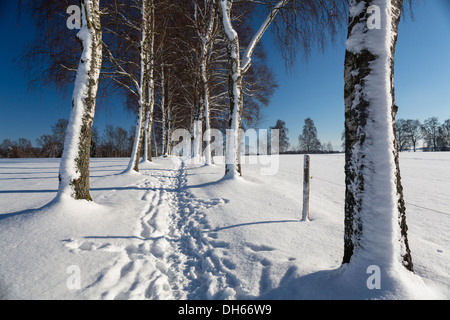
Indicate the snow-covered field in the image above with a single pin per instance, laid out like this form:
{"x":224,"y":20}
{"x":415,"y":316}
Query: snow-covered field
{"x":177,"y":231}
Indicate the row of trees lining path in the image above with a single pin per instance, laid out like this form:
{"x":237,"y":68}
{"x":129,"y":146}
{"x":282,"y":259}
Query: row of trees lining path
{"x":109,"y":28}
{"x":209,"y":63}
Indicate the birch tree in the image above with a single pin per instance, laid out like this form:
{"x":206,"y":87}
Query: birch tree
{"x":142,"y":88}
{"x":131,"y":56}
{"x":206,"y":26}
{"x":53,"y":59}
{"x":163,"y":112}
{"x":402,"y":137}
{"x":413,"y":131}
{"x":430,"y":133}
{"x":151,"y":84}
{"x":375,"y":215}
{"x":74,"y":167}
{"x":236,"y":72}
{"x":301,"y":22}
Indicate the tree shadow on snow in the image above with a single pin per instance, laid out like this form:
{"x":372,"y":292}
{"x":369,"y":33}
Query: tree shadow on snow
{"x":18,"y":213}
{"x":221,"y":181}
{"x":28,"y":191}
{"x":320,"y":285}
{"x":132,"y":238}
{"x":252,"y":223}
{"x":30,"y":211}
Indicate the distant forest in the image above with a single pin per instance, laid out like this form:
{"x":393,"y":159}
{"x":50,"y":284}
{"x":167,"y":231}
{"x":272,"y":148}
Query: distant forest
{"x":117,"y":142}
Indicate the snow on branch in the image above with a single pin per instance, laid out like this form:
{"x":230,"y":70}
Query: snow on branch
{"x":246,"y":59}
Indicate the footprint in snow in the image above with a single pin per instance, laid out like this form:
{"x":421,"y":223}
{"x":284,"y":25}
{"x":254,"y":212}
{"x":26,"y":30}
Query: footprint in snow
{"x":76,"y":246}
{"x":259,"y":248}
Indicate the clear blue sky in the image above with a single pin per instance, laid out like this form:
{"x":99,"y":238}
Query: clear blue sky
{"x":422,"y":78}
{"x":30,"y":114}
{"x":315,"y":90}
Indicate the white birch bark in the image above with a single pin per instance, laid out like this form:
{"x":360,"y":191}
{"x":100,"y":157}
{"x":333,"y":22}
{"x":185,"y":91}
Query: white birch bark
{"x":375,"y":226}
{"x":133,"y":164}
{"x":232,"y":156}
{"x":163,"y":112}
{"x":169,"y":117}
{"x":207,"y":111}
{"x":206,"y":36}
{"x":197,"y":141}
{"x":146,"y":138}
{"x":236,"y":72}
{"x":151,"y":87}
{"x":247,"y":57}
{"x":74,"y":167}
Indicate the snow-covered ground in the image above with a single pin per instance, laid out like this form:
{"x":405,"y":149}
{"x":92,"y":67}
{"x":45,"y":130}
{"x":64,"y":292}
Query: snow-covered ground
{"x":178,"y":231}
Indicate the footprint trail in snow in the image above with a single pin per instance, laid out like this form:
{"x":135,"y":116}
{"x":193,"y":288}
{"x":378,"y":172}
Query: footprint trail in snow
{"x":169,"y":256}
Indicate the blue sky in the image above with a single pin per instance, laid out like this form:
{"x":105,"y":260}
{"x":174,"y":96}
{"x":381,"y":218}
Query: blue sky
{"x":314,"y":90}
{"x":30,"y":114}
{"x":422,"y":78}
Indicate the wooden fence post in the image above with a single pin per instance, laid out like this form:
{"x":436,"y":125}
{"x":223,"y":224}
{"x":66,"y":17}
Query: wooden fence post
{"x":306,"y":180}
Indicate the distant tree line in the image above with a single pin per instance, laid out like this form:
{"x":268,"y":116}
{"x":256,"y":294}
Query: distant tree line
{"x":117,"y":142}
{"x":113,"y":142}
{"x":433,"y":135}
{"x":429,"y":136}
{"x":412,"y":135}
{"x":21,"y":148}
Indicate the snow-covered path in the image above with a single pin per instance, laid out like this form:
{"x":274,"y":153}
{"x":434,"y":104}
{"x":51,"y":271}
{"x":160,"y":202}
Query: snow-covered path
{"x":169,"y":256}
{"x":142,"y":269}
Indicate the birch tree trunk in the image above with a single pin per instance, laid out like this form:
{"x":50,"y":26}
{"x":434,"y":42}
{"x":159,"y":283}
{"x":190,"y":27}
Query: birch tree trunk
{"x":206,"y":25}
{"x":235,"y":75}
{"x":155,"y":145}
{"x":163,"y":113}
{"x":204,"y":109}
{"x":143,"y":103}
{"x":197,"y":131}
{"x":151,"y":87}
{"x":198,"y":128}
{"x":232,"y":156}
{"x":169,"y":116}
{"x":146,"y":155}
{"x":207,"y":115}
{"x":375,"y":224}
{"x":74,"y":167}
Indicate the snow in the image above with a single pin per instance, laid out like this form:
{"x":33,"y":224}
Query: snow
{"x":247,"y":57}
{"x":180,"y":231}
{"x":226,"y":21}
